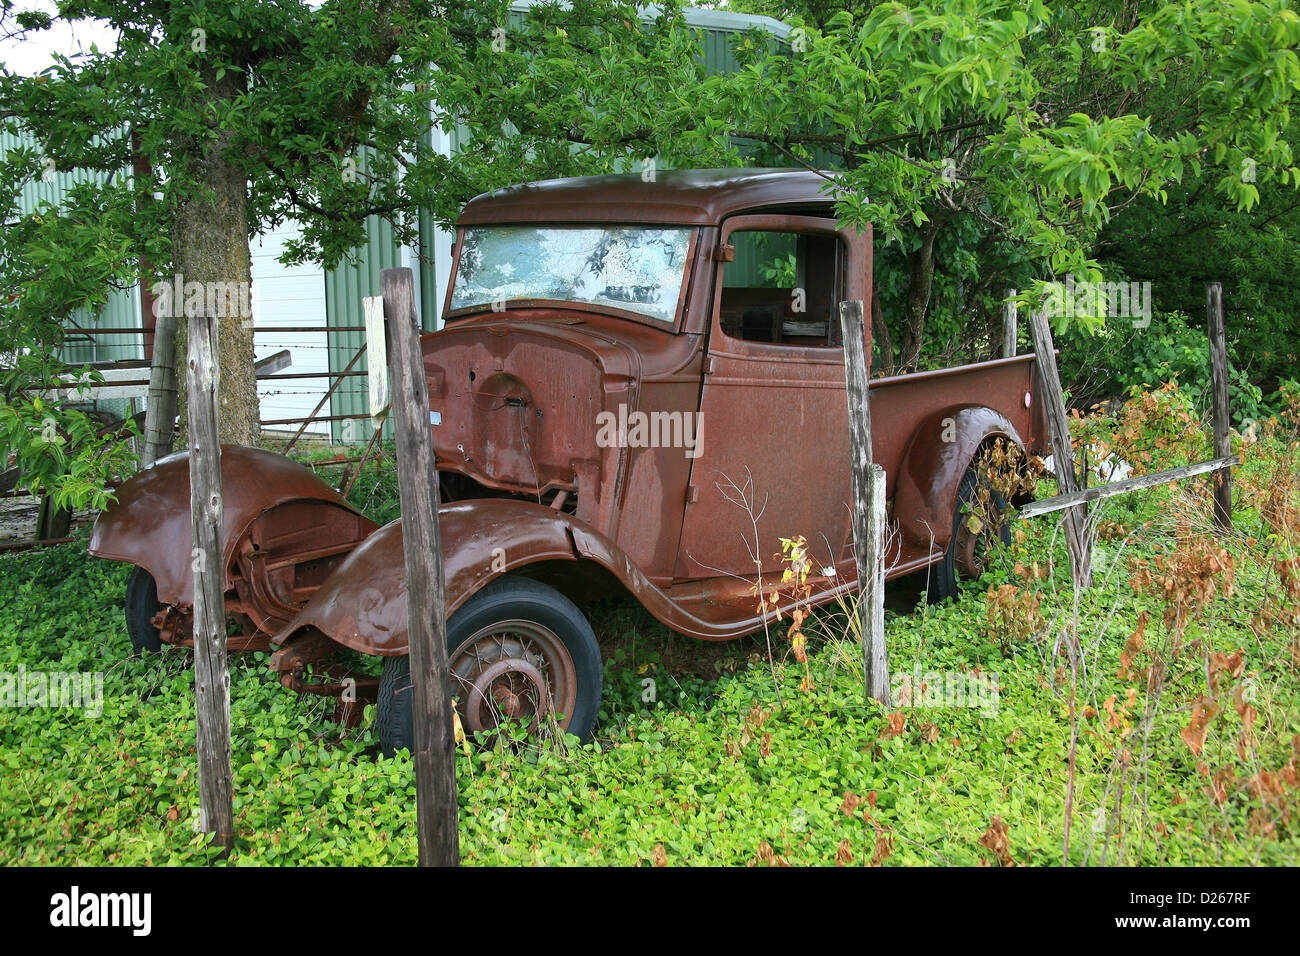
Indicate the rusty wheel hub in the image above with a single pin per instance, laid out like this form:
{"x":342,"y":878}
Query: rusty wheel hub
{"x":972,"y":546}
{"x":514,"y":670}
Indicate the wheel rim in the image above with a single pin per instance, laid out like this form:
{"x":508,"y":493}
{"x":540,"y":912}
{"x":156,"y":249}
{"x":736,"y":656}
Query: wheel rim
{"x":971,"y":547}
{"x":514,"y":670}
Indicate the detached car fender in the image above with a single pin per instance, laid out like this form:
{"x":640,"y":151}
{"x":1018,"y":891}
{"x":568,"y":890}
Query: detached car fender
{"x":149,"y":523}
{"x":938,"y":454}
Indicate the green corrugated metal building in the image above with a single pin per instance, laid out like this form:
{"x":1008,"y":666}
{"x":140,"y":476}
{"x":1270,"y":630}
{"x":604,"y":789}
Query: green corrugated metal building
{"x":122,"y":310}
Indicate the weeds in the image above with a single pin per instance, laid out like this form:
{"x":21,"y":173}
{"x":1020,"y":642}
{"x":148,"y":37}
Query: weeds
{"x":1156,"y":719}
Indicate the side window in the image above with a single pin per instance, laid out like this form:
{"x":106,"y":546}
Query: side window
{"x":783,"y":287}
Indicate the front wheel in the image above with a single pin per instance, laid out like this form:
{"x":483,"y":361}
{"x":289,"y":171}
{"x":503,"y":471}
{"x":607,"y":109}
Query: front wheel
{"x":518,"y":650}
{"x":141,"y":606}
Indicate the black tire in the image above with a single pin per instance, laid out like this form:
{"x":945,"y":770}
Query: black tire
{"x":946,"y":575}
{"x":141,"y":606}
{"x":508,"y":598}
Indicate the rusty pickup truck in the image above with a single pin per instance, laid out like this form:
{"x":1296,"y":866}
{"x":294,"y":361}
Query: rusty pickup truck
{"x":638,"y":388}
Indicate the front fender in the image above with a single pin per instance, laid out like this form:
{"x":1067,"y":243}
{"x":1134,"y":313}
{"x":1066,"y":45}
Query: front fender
{"x":149,"y":523}
{"x":362,"y":605}
{"x":937,"y":456}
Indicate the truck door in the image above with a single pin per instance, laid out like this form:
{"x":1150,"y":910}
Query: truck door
{"x":773,"y":410}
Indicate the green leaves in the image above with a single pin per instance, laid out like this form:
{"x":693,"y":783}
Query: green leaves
{"x":979,"y":87}
{"x":1011,"y":131}
{"x":121,"y":789}
{"x":58,"y":450}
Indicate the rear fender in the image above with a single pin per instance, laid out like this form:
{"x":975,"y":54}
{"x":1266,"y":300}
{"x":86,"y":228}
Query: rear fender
{"x":937,"y":456}
{"x":149,"y":523}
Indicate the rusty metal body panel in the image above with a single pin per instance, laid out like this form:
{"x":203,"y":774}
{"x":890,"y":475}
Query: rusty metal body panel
{"x":519,"y":399}
{"x":784,"y":413}
{"x":282,"y":528}
{"x":800,"y":478}
{"x":702,"y":197}
{"x":363,"y":605}
{"x":931,"y":469}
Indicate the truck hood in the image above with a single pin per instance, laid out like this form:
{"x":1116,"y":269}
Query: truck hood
{"x":516,"y":402}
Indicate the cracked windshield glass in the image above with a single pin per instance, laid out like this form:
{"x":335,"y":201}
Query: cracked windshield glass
{"x":637,"y":269}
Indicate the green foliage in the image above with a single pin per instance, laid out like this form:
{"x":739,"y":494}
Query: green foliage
{"x":953,"y":110}
{"x":54,"y":262}
{"x":60,"y":451}
{"x":1120,"y":358}
{"x":1005,"y":134}
{"x":1015,"y":133}
{"x":375,"y":489}
{"x":325,"y":111}
{"x":707,"y":768}
{"x":781,"y":272}
{"x":1195,"y":238}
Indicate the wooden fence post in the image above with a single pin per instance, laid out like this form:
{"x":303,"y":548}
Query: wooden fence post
{"x":1009,"y":326}
{"x":160,"y":416}
{"x":1077,"y":539}
{"x":873,"y":621}
{"x":435,"y":754}
{"x":1219,"y":389}
{"x":211,"y":677}
{"x":52,"y":522}
{"x":868,"y":506}
{"x":372,"y":306}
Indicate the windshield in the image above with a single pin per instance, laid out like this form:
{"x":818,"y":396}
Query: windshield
{"x":634,"y":268}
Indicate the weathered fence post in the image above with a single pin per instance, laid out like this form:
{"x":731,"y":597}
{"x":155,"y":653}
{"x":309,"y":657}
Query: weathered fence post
{"x":52,"y":522}
{"x":1219,"y":389}
{"x":1009,"y":326}
{"x":868,"y":506}
{"x":873,"y":631}
{"x":160,"y":416}
{"x":1077,"y":539}
{"x":211,"y":677}
{"x":435,"y":755}
{"x":372,"y":306}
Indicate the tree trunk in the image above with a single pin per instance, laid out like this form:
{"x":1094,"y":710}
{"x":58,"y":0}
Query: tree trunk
{"x":164,"y":390}
{"x":880,"y":332}
{"x":920,"y":283}
{"x":210,"y":246}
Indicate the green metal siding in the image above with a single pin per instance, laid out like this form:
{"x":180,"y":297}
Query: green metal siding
{"x":122,"y":310}
{"x":345,"y":287}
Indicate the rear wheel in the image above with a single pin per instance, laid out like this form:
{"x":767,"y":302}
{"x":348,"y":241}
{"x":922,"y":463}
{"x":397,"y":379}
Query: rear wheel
{"x":976,"y":530}
{"x":141,"y":606}
{"x":517,"y":650}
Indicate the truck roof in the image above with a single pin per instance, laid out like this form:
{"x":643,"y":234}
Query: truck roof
{"x":699,"y":197}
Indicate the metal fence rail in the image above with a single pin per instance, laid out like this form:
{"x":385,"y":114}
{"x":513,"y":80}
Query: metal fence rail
{"x":115,"y":386}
